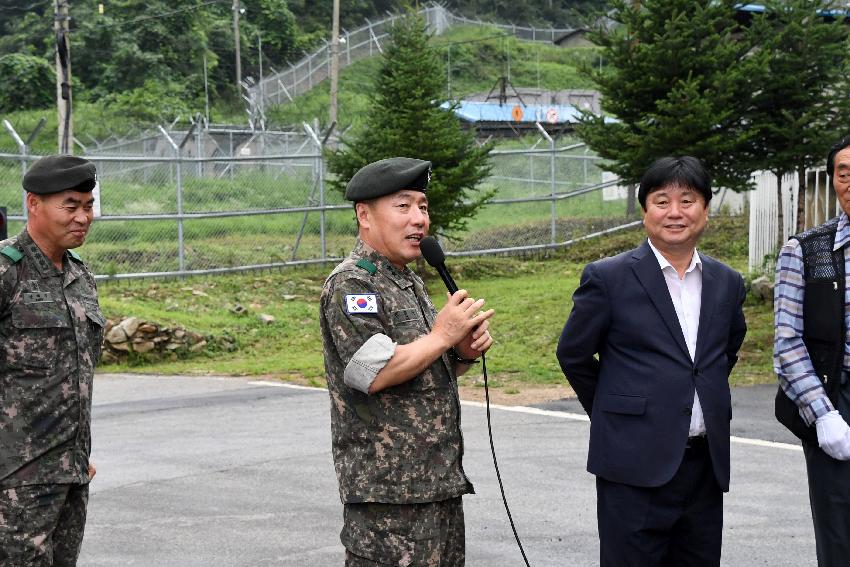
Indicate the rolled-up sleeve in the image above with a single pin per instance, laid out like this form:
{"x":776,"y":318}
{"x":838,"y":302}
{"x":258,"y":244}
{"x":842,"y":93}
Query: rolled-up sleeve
{"x":791,"y":360}
{"x":360,"y":340}
{"x":368,"y":361}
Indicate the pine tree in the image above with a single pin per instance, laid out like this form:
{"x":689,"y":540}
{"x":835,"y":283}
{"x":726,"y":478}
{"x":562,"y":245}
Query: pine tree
{"x":803,"y":108}
{"x":406,"y":119}
{"x":678,"y":81}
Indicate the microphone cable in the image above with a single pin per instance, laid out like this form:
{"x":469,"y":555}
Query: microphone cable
{"x":436,"y":258}
{"x":495,"y":462}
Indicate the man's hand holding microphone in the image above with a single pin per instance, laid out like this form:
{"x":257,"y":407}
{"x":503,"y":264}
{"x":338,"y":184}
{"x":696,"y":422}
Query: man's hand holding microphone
{"x":475,"y":339}
{"x":464,"y":326}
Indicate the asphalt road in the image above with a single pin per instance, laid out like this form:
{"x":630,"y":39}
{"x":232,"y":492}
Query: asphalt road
{"x":230,"y":472}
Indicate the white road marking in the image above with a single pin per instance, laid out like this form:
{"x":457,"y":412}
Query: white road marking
{"x":548,"y":413}
{"x":531,"y":411}
{"x":583,"y":417}
{"x":286,"y":385}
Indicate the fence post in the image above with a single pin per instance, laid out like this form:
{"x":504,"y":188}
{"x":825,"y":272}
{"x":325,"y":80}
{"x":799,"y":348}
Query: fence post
{"x":181,"y":263}
{"x":22,"y":148}
{"x":320,"y":163}
{"x":554,"y":193}
{"x":232,"y":165}
{"x":180,"y":256}
{"x":318,"y":177}
{"x":554,"y":209}
{"x":584,"y":164}
{"x":348,"y":48}
{"x":199,"y":147}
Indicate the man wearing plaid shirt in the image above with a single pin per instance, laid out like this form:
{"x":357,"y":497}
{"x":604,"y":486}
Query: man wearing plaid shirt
{"x":812,"y":359}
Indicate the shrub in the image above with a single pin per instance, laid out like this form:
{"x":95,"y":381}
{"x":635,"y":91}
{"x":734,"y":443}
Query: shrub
{"x":26,"y":82}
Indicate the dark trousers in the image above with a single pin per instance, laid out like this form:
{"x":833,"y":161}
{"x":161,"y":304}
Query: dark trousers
{"x":42,"y":525}
{"x":415,"y":535}
{"x":829,"y":495}
{"x":679,"y":524}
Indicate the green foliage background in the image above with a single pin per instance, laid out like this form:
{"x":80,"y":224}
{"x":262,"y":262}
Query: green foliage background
{"x":26,"y":82}
{"x":162,"y":44}
{"x":406,"y":119}
{"x":743,"y":91}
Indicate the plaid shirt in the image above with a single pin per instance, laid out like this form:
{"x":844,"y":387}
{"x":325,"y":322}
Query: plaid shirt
{"x":791,"y":360}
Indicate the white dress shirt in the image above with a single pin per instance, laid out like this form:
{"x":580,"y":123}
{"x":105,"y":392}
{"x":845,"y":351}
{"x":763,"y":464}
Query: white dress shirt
{"x":686,"y":294}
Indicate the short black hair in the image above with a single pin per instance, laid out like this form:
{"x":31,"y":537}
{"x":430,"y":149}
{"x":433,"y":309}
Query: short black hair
{"x":836,"y":147}
{"x":686,"y":171}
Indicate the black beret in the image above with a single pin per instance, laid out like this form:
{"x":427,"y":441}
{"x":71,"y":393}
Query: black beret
{"x":388,"y":176}
{"x":52,"y":174}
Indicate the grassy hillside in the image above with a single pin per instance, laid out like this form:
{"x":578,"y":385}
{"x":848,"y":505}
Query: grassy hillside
{"x":531,"y":297}
{"x":474,"y":58}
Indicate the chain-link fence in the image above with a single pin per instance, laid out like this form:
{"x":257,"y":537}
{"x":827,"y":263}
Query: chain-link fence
{"x":256,"y":206}
{"x":282,"y":87}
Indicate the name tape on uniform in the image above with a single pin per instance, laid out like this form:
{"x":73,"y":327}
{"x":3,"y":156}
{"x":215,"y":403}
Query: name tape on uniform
{"x":362,"y":303}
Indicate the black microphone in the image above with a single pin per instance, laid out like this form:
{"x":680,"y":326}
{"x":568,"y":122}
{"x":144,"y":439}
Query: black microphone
{"x":435,"y":257}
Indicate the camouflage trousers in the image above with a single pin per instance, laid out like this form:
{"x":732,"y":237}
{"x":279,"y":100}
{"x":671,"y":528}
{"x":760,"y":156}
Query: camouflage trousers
{"x":42,"y":525}
{"x":422,"y":535}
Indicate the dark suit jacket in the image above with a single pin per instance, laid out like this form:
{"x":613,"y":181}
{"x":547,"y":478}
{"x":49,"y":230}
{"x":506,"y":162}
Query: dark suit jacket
{"x":640,"y":391}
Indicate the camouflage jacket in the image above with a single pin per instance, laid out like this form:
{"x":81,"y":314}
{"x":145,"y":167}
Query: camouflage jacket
{"x":52,"y":329}
{"x":404,"y":444}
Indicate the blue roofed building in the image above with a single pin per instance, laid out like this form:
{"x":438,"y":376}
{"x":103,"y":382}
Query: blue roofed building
{"x":745,"y":12}
{"x":556,"y":111}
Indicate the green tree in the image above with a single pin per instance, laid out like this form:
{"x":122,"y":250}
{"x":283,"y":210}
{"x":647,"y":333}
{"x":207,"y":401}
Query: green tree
{"x":277,"y":26}
{"x":164,"y":41}
{"x":803,"y":108}
{"x":406,"y":119}
{"x":135,"y":41}
{"x":678,"y":80}
{"x":26,"y":82}
{"x":154,"y":102}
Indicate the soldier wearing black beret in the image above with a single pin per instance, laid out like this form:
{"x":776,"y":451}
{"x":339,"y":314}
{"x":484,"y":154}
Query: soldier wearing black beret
{"x":51,"y":328}
{"x":387,"y":176}
{"x":392,"y":363}
{"x":53,"y":174}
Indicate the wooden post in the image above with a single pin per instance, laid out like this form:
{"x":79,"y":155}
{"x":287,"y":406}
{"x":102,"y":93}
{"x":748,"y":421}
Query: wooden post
{"x":236,"y":39}
{"x":332,"y":112}
{"x":63,"y":78}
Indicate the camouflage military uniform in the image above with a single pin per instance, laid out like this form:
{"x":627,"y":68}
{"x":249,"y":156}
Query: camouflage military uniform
{"x":402,"y":446}
{"x":52,"y":329}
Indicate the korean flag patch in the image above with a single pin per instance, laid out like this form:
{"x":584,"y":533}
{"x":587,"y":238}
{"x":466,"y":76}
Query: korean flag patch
{"x":362,"y":303}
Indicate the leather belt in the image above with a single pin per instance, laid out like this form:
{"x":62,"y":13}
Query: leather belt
{"x":699,"y":443}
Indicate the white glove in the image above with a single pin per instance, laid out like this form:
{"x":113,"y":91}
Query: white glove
{"x":834,"y":435}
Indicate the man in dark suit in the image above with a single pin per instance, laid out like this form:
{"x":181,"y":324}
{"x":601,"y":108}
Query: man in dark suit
{"x":666,"y":324}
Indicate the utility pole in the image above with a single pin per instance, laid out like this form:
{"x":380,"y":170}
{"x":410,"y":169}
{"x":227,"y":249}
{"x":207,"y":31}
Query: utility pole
{"x":236,"y":11}
{"x":63,"y":77}
{"x":334,"y":64}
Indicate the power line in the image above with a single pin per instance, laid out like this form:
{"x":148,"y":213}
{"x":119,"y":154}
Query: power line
{"x":41,"y":3}
{"x":159,"y":16}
